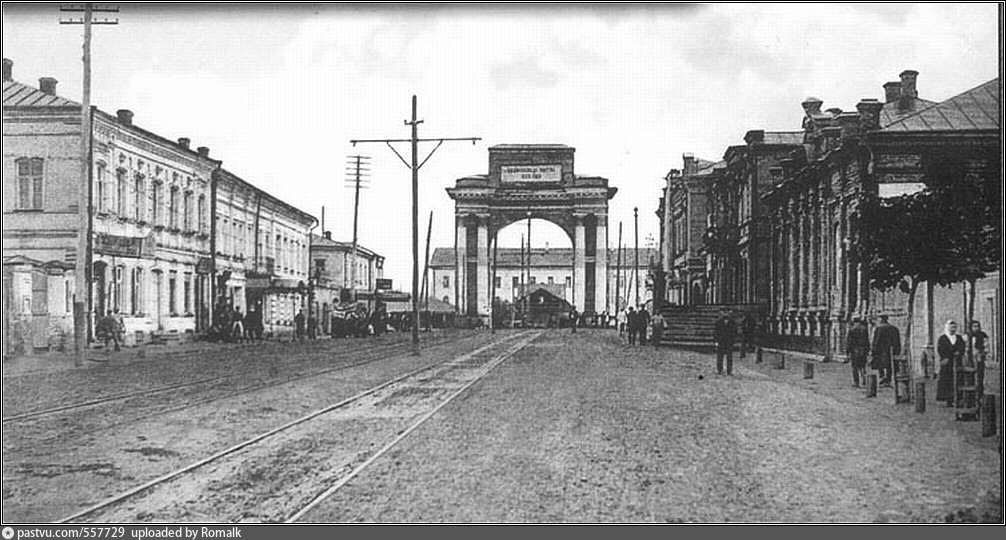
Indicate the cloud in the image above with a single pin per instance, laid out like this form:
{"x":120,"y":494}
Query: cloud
{"x":524,"y":71}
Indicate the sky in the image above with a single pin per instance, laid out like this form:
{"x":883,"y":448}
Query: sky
{"x":278,"y":91}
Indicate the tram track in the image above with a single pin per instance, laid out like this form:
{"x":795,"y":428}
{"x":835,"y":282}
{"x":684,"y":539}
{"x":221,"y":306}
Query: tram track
{"x":383,"y":348}
{"x":306,"y":459}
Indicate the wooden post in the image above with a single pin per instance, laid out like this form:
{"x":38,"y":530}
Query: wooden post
{"x":758,"y":355}
{"x":988,"y":415}
{"x":871,"y":385}
{"x":920,"y":396}
{"x":808,"y":369}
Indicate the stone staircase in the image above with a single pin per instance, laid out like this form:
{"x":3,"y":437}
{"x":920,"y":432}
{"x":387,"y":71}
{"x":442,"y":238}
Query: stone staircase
{"x":692,"y":326}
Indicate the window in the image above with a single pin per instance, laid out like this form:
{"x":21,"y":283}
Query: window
{"x":172,"y":288}
{"x":122,"y":188}
{"x":187,"y":209}
{"x":516,"y":283}
{"x":136,"y":292}
{"x":551,"y":280}
{"x":173,"y":208}
{"x":39,"y":293}
{"x":156,"y":215}
{"x":202,"y":214}
{"x":498,"y":282}
{"x":102,"y":194}
{"x":447,"y":282}
{"x":139,"y":205}
{"x":187,"y":293}
{"x":533,"y":280}
{"x":29,"y":183}
{"x":569,"y":281}
{"x":117,"y":300}
{"x":319,"y":265}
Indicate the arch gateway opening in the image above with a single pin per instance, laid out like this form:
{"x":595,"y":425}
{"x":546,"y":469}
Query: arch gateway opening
{"x":530,"y":181}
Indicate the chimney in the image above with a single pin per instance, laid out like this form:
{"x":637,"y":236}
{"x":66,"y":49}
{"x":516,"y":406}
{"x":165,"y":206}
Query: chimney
{"x":689,"y":160}
{"x":46,"y":84}
{"x":908,"y":90}
{"x":812,"y":105}
{"x":892,"y":91}
{"x":8,"y":69}
{"x":184,"y":142}
{"x":328,"y":235}
{"x":203,"y":151}
{"x":755,"y":136}
{"x":869,"y":113}
{"x":125,"y":116}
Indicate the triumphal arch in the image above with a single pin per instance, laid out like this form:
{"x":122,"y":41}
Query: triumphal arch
{"x":535,"y":181}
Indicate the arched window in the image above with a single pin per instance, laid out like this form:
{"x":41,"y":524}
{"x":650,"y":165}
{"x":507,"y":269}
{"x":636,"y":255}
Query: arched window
{"x":29,"y":183}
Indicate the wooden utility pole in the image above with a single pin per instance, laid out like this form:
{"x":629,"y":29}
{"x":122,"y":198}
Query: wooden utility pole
{"x":415,"y":165}
{"x":618,"y":272}
{"x":635,"y":270}
{"x":527,"y":300}
{"x":358,"y":171}
{"x":82,"y":267}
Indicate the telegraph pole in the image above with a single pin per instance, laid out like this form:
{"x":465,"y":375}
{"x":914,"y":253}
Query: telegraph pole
{"x":81,"y":271}
{"x":358,"y":170}
{"x":527,"y":300}
{"x":618,"y":271}
{"x":635,"y":270}
{"x":415,"y":166}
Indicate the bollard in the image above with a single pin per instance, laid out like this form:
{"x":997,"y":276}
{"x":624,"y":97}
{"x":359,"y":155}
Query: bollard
{"x":988,"y":415}
{"x":780,"y":361}
{"x":808,"y":369}
{"x":758,"y":355}
{"x":871,"y":385}
{"x":920,"y":396}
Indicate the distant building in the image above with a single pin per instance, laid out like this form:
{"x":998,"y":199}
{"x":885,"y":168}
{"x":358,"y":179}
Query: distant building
{"x":332,"y":275}
{"x":549,"y":267}
{"x":261,"y":254}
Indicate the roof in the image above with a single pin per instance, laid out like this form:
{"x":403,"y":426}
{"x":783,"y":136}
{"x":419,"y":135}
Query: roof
{"x":321,"y":241}
{"x":976,"y":109}
{"x":277,"y":200}
{"x":892,"y":111}
{"x":706,"y":167}
{"x":542,"y":258}
{"x":17,"y":94}
{"x":545,"y":146}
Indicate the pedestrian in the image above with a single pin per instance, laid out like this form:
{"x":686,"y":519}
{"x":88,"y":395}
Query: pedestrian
{"x":574,"y":318}
{"x":657,"y":323}
{"x":623,"y":318}
{"x":644,"y":323}
{"x":631,"y":322}
{"x":312,"y":326}
{"x":237,"y":325}
{"x":725,"y":333}
{"x":119,"y":328}
{"x":950,"y":350}
{"x":858,"y":346}
{"x":298,"y":325}
{"x":886,"y":345}
{"x":979,"y":343}
{"x":105,"y":329}
{"x":254,"y":323}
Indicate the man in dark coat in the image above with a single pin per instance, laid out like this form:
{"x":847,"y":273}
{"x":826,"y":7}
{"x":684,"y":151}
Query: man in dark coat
{"x":298,"y":325}
{"x":858,"y":346}
{"x":644,"y":324}
{"x":886,"y":345}
{"x":725,"y":333}
{"x":631,"y":325}
{"x":574,"y":318}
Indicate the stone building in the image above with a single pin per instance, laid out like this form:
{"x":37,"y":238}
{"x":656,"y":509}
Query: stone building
{"x":149,"y":251}
{"x":261,"y":252}
{"x":333,"y":278}
{"x":549,"y":267}
{"x":739,"y":229}
{"x":888,"y":148}
{"x":684,"y":220}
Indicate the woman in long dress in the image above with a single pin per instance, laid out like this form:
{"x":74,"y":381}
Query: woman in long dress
{"x":950,"y":349}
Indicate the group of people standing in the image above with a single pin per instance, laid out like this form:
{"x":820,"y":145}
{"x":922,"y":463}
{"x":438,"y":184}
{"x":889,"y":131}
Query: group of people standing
{"x":634,"y":323}
{"x":230,"y":324}
{"x":951,"y":350}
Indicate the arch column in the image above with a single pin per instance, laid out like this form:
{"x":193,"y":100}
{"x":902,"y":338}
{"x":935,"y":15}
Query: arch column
{"x":482,"y":251}
{"x":601,"y":266}
{"x":579,"y":263}
{"x":461,"y":236}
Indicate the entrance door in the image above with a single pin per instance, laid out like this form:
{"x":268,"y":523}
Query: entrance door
{"x":100,"y":290}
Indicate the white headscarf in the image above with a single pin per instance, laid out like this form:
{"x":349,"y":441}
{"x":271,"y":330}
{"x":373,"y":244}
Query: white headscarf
{"x":946,"y":332}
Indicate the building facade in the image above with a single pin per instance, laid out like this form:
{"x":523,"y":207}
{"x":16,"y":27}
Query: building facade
{"x":149,"y":211}
{"x":885,"y":149}
{"x":261,"y":252}
{"x":684,"y":218}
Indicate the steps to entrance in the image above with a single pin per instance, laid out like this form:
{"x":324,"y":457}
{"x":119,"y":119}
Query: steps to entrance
{"x":694,"y":325}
